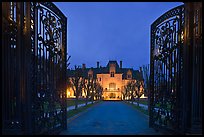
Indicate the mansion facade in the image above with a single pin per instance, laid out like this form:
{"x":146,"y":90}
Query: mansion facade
{"x":112,"y":78}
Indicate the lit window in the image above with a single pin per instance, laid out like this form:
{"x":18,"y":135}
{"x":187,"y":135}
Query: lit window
{"x":112,"y":74}
{"x":112,"y":86}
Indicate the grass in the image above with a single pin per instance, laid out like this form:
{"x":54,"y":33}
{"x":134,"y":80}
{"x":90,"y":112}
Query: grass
{"x":139,"y":108}
{"x":145,"y":102}
{"x":78,"y":110}
{"x":72,"y":102}
{"x":142,"y":101}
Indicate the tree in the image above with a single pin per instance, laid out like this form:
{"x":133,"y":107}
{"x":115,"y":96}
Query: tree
{"x":130,"y":90}
{"x":77,"y":84}
{"x":87,"y":84}
{"x":99,"y":90}
{"x":133,"y":89}
{"x":146,"y":76}
{"x":139,"y":90}
{"x":93,"y":89}
{"x":125,"y":92}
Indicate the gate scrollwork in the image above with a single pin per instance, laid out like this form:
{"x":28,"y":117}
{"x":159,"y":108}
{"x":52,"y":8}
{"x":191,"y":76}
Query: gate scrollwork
{"x":166,"y":68}
{"x":50,"y":65}
{"x":34,"y":44}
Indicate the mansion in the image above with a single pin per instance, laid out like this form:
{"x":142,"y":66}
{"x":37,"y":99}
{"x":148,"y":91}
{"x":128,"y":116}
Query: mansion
{"x":112,"y":78}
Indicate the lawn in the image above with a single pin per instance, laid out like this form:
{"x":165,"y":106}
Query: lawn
{"x":72,"y":102}
{"x":142,"y":101}
{"x":139,"y":108}
{"x":78,"y":110}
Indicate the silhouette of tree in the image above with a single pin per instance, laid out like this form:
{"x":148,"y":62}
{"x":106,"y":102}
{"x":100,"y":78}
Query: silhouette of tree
{"x":139,"y":90}
{"x":99,"y":91}
{"x":87,"y":85}
{"x":77,"y":84}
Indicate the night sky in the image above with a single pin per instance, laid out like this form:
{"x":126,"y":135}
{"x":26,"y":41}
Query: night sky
{"x":103,"y":31}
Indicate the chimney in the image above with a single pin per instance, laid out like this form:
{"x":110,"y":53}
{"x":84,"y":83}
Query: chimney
{"x":83,"y":66}
{"x":97,"y":64}
{"x":121,"y":64}
{"x":140,"y":69}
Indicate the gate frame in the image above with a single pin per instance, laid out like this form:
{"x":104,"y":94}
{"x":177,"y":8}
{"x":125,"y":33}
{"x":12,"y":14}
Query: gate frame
{"x":177,"y":11}
{"x":190,"y":121}
{"x":21,"y":87}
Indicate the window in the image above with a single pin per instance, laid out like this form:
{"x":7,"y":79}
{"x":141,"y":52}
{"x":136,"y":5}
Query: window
{"x":112,"y":86}
{"x":90,"y":76}
{"x":112,"y":74}
{"x":128,"y":76}
{"x":90,"y":73}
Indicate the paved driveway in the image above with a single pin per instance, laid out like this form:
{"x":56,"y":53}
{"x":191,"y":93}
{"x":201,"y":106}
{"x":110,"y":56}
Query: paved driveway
{"x":110,"y":118}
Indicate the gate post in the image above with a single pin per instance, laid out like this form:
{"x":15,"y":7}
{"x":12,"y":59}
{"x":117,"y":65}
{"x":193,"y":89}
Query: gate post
{"x":151,"y":81}
{"x":192,"y":69}
{"x":27,"y":70}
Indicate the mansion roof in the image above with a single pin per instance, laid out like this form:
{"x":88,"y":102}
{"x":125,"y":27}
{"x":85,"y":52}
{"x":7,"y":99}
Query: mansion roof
{"x":136,"y":74}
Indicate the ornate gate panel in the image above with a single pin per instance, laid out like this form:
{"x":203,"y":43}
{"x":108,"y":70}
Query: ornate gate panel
{"x":49,"y":54}
{"x":34,"y":68}
{"x":166,"y":69}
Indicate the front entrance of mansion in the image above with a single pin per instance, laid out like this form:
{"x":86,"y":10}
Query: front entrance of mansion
{"x":112,"y":95}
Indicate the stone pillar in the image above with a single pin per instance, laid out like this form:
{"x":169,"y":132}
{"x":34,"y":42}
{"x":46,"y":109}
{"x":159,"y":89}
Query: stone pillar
{"x":192,"y":69}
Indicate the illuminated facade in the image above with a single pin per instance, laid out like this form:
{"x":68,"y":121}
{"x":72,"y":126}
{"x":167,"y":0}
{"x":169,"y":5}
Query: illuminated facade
{"x":112,"y":78}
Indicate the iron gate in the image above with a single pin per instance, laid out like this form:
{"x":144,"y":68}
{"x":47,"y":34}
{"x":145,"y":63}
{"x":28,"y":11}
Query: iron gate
{"x":166,"y":70}
{"x":34,"y":68}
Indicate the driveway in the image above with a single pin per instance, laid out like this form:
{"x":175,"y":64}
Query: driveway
{"x":110,"y":118}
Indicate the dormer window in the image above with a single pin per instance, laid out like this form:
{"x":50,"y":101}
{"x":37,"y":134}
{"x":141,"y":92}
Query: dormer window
{"x":112,"y":68}
{"x":90,"y":75}
{"x":129,"y":76}
{"x":112,"y":74}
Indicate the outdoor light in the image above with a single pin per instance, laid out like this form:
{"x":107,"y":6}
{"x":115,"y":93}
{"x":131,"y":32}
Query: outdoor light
{"x":182,"y":36}
{"x":68,"y":92}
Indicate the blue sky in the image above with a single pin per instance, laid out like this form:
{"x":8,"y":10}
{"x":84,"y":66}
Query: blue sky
{"x":103,"y":31}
